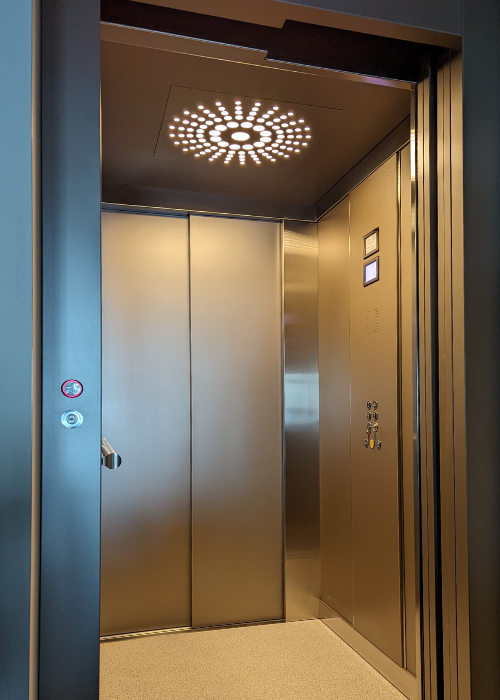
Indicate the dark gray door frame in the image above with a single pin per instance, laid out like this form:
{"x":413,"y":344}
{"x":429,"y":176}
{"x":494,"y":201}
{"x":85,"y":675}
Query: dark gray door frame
{"x":481,"y":129}
{"x":71,"y":349}
{"x":70,"y":146}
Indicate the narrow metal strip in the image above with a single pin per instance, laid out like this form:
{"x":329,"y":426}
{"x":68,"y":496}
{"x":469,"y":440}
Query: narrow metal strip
{"x":37,"y":359}
{"x":400,"y":425}
{"x":163,"y":211}
{"x":191,"y":562}
{"x":176,"y":630}
{"x":283,"y":441}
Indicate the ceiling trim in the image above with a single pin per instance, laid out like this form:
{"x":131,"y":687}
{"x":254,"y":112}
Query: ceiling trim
{"x":391,"y":144}
{"x":295,"y":42}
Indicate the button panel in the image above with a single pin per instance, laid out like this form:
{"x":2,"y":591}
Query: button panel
{"x":372,"y":427}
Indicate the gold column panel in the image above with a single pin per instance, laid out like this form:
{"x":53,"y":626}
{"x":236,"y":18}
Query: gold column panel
{"x":237,"y":376}
{"x":374,"y":377}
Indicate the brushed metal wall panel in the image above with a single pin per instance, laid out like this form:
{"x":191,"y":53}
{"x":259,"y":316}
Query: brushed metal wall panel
{"x":374,"y":368}
{"x":300,"y":277}
{"x":146,"y":417}
{"x":334,"y":402}
{"x":236,"y":321}
{"x":408,"y":375}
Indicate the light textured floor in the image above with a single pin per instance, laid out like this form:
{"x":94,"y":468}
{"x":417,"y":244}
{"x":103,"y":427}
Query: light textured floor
{"x":290,"y":661}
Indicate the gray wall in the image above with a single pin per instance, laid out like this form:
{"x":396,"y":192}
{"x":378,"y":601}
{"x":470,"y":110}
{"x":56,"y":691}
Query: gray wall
{"x":16,"y":343}
{"x":481,"y":76}
{"x":440,"y":16}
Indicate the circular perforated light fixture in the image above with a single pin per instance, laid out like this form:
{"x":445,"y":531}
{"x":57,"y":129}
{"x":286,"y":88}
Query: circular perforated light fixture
{"x":252,"y":132}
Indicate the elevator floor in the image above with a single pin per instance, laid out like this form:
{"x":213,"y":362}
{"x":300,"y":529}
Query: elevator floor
{"x":289,"y":661}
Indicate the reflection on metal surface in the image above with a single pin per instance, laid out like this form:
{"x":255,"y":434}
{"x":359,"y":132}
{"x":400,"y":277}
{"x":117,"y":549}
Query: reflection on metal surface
{"x":236,"y":330}
{"x":109,"y":458}
{"x":399,"y":677}
{"x":334,"y":398}
{"x":149,"y":633}
{"x":301,"y":420}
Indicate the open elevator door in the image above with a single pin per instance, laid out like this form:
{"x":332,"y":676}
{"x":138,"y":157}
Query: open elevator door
{"x":192,"y":395}
{"x":70,"y":197}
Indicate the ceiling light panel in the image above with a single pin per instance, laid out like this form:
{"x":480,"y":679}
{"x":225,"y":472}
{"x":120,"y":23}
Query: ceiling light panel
{"x":256,"y":131}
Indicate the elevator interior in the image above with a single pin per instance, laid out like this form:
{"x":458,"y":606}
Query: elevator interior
{"x":257,"y":348}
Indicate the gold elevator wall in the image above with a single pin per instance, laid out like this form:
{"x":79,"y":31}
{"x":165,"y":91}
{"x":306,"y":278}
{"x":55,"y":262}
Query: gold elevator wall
{"x":364,"y":528}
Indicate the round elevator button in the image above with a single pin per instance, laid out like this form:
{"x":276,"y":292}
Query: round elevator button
{"x":72,"y":419}
{"x":72,"y":388}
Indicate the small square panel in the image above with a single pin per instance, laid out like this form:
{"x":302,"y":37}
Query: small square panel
{"x":370,"y":243}
{"x":370,"y":272}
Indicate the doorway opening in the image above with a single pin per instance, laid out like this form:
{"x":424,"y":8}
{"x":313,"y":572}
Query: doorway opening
{"x":259,"y":375}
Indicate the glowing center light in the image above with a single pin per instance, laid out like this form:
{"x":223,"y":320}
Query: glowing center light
{"x":240,"y":136}
{"x":264,"y":132}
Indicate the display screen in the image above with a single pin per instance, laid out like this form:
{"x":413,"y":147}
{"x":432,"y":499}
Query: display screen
{"x":370,"y":272}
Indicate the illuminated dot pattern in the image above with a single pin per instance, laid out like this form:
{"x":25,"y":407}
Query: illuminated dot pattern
{"x":242,"y":135}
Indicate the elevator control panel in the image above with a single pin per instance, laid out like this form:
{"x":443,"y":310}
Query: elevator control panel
{"x":371,"y":440}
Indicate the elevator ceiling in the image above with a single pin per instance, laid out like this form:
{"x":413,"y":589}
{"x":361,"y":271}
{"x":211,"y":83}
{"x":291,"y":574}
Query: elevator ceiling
{"x":145,"y":88}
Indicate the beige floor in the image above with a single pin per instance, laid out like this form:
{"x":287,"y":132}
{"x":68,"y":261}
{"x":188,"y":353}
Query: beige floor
{"x":291,"y":661}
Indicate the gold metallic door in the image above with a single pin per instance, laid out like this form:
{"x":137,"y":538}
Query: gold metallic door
{"x":146,"y":510}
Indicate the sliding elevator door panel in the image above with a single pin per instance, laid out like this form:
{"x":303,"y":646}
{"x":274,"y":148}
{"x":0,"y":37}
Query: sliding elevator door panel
{"x":146,"y":511}
{"x":374,"y":413}
{"x":237,"y":374}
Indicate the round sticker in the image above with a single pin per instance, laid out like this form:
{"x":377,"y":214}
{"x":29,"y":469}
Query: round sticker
{"x":72,"y":388}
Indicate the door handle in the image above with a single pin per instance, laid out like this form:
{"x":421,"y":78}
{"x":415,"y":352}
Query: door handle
{"x":109,"y":458}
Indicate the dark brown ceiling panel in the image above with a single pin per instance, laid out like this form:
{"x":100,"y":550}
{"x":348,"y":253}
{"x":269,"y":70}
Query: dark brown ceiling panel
{"x":295,"y":42}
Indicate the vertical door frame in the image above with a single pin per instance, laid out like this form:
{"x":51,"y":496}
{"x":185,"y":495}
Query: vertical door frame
{"x":442,"y":489}
{"x":71,"y":206}
{"x":426,"y":491}
{"x":71,"y":349}
{"x":451,"y":365}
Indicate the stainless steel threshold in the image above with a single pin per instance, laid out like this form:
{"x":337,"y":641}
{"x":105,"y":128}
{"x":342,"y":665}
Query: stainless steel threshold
{"x":175,"y":630}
